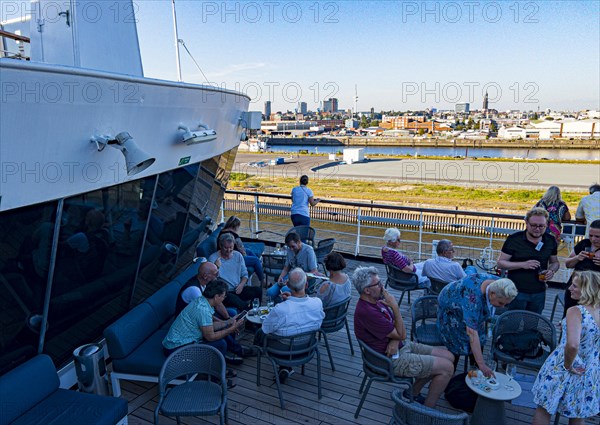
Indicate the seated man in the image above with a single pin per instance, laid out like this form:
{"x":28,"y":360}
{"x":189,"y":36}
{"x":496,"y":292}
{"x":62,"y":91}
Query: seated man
{"x":232,"y":270}
{"x":297,"y":314}
{"x":193,"y":289}
{"x":442,"y":267}
{"x":298,"y":255}
{"x":378,"y":323}
{"x":391,"y":255}
{"x":195,"y":324}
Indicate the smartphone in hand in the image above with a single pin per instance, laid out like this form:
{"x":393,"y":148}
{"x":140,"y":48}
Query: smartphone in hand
{"x":241,"y":316}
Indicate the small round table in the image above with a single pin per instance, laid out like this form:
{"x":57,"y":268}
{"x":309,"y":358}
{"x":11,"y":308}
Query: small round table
{"x":489,"y":409}
{"x":254,"y":317}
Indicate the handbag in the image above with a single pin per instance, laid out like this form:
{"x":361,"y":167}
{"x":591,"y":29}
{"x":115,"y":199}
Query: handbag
{"x":459,"y":395}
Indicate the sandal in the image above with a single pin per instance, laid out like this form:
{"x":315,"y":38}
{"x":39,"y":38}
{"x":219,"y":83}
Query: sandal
{"x":230,"y":374}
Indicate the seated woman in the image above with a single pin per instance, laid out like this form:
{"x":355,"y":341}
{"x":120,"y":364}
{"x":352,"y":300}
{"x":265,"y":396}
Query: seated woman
{"x":196,"y":325}
{"x":464,"y":308}
{"x":339,"y":286}
{"x":232,"y":226}
{"x":391,"y":254}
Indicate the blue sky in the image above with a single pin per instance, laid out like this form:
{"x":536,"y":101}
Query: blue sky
{"x":401,"y":55}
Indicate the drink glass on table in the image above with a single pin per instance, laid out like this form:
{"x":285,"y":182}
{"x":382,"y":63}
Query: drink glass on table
{"x":255,"y":304}
{"x":511,"y":371}
{"x":270,"y":303}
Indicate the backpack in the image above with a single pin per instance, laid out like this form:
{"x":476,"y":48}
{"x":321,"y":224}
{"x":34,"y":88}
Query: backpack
{"x":459,"y":395}
{"x":520,"y":345}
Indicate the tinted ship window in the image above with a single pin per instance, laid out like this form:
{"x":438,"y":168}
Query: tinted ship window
{"x":26,"y":238}
{"x":100,"y":242}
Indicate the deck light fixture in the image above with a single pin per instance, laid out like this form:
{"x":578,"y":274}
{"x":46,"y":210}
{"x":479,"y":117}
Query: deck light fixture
{"x":136,"y":159}
{"x":201,"y":135}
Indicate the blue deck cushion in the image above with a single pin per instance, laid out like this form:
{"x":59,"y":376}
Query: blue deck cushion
{"x":189,"y":273}
{"x":127,"y":333}
{"x":71,"y":407}
{"x":147,"y":359}
{"x":164,"y":300}
{"x":22,"y":387}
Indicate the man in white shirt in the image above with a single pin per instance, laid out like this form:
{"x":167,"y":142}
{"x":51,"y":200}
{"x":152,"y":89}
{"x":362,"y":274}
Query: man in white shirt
{"x":588,"y":209}
{"x":297,"y":314}
{"x":442,"y":267}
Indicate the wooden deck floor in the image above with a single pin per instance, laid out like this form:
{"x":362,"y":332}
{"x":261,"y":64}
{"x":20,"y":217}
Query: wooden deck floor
{"x":249,"y":404}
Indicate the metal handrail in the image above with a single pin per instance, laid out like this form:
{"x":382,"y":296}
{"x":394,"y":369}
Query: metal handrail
{"x":358,"y":226}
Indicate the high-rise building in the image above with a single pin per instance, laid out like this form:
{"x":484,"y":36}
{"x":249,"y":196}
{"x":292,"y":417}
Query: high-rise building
{"x":485,"y":102}
{"x":330,"y":105}
{"x":462,"y":107}
{"x":302,"y":108}
{"x":268,"y":110}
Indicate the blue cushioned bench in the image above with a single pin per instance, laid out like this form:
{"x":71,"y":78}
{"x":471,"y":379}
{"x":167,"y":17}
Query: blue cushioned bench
{"x":30,"y":395}
{"x":134,"y":341}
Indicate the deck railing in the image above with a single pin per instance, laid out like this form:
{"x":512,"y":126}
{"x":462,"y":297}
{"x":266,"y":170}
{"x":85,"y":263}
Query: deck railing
{"x":359,"y":226}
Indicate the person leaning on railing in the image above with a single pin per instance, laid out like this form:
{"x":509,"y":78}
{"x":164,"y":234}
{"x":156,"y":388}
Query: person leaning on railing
{"x":585,"y":256}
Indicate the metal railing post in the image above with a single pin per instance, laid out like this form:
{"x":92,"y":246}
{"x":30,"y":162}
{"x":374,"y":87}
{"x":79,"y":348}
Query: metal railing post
{"x":357,"y":248}
{"x":256,"y":215}
{"x":420,"y":234}
{"x":223,"y":211}
{"x":492,"y":237}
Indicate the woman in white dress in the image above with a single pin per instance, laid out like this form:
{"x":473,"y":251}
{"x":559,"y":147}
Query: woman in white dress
{"x":569,"y":380}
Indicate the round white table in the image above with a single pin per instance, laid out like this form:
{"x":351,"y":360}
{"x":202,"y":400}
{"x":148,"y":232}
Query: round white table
{"x":256,"y":317}
{"x":489,"y":409}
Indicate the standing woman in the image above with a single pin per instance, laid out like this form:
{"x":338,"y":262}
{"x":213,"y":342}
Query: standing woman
{"x":302,"y":196}
{"x":569,"y":380}
{"x":557,"y":211}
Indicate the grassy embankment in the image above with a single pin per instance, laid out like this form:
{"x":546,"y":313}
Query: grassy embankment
{"x":425,"y":195}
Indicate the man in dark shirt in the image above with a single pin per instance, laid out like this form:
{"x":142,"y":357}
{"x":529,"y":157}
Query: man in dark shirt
{"x":378,"y":323}
{"x":585,"y":256}
{"x":530,"y":258}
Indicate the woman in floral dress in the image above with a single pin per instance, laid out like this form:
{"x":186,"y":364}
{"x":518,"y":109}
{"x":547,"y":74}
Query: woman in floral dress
{"x":569,"y":380}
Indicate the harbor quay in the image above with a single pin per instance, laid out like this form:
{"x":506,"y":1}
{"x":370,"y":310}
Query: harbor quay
{"x":430,"y":171}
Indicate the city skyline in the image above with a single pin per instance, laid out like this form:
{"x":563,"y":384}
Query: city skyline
{"x":401,"y":55}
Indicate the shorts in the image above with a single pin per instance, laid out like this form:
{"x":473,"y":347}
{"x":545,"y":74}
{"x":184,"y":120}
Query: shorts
{"x":415,"y":361}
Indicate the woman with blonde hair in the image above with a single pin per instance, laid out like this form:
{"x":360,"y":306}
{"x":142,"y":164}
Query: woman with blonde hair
{"x":557,"y":211}
{"x":568,"y":382}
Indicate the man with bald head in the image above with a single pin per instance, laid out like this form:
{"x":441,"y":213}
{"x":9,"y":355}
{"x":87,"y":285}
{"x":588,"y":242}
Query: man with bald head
{"x":193,"y":289}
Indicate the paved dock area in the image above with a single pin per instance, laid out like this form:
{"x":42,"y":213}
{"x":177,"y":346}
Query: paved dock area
{"x":519,"y":174}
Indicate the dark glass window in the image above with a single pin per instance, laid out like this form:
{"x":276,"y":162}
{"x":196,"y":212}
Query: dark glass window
{"x":100,"y":243}
{"x":26,"y":238}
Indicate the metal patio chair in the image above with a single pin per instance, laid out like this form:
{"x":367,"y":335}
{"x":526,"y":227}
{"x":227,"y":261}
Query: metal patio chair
{"x":406,"y":412}
{"x":307,"y":234}
{"x":273,"y":265}
{"x":206,"y":395}
{"x":424,"y":327}
{"x":377,"y":367}
{"x":335,"y":319}
{"x":323,"y":248}
{"x":519,"y":321}
{"x":401,"y":281}
{"x":289,"y":351}
{"x":436,"y":285}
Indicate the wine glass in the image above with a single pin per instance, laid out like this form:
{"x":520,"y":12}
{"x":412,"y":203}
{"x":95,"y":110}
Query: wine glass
{"x":270,"y":303}
{"x":511,"y":371}
{"x":255,"y":304}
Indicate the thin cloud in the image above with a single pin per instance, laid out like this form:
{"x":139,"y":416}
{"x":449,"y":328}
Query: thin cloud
{"x":232,"y":69}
